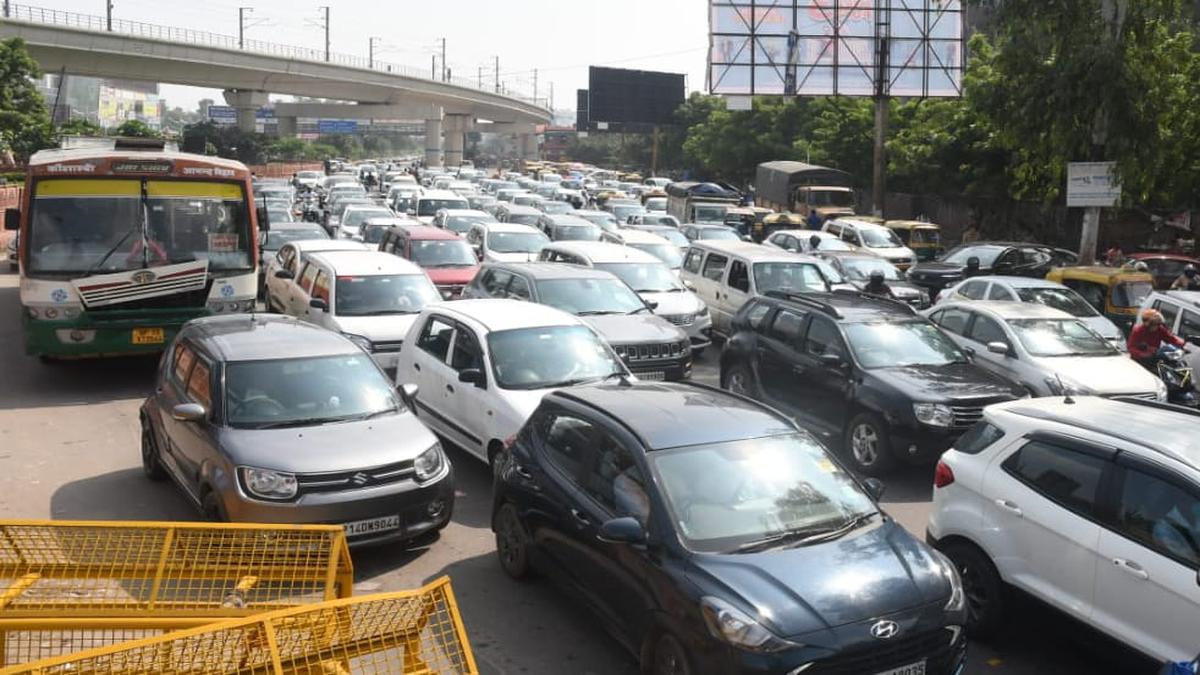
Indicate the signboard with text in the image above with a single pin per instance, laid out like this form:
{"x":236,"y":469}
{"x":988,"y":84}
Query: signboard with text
{"x":1092,"y":184}
{"x":337,"y":126}
{"x":223,"y":115}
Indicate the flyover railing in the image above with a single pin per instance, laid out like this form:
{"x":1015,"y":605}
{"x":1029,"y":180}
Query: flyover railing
{"x":93,"y":22}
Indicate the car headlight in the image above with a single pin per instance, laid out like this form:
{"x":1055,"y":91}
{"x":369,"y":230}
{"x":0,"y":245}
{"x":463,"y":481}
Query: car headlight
{"x":362,"y":342}
{"x":731,"y":625}
{"x":934,"y":414}
{"x":1160,"y":390}
{"x":429,"y":463}
{"x":703,"y":311}
{"x":958,"y":597}
{"x":268,"y":484}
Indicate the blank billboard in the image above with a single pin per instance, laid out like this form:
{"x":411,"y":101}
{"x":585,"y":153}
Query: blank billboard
{"x":618,"y":96}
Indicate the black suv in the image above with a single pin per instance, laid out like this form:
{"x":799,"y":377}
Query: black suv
{"x":711,"y":535}
{"x":864,"y":369}
{"x":994,"y":257}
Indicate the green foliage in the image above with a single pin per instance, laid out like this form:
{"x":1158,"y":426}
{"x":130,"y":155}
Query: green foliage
{"x":80,"y":127}
{"x":135,"y":129}
{"x":24,"y":118}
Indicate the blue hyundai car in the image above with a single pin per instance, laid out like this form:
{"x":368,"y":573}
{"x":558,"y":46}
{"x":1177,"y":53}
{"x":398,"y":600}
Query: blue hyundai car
{"x":710,"y":534}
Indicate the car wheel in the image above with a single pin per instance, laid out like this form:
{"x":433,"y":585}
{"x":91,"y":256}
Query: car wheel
{"x":512,"y":543}
{"x":741,"y":381}
{"x":210,"y":506}
{"x":985,"y":590}
{"x":868,"y":446}
{"x":668,"y":657}
{"x":151,"y":466}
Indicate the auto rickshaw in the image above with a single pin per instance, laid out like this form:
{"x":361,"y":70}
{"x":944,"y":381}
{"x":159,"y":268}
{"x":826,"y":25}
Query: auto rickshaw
{"x":748,"y":221}
{"x":1115,"y":292}
{"x":774,"y":222}
{"x":925,"y":239}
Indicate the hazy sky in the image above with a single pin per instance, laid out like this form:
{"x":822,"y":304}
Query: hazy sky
{"x":560,"y":38}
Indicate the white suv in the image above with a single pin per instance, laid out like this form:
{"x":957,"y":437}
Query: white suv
{"x":1090,"y":505}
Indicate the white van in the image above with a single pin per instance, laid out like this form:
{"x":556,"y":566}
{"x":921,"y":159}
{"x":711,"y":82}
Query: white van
{"x":648,"y":276}
{"x":650,"y":243}
{"x":726,"y":274}
{"x":873,"y":237}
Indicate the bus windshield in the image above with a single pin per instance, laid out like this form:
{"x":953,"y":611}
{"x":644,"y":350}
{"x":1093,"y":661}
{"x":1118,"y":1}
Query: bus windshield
{"x":97,"y":226}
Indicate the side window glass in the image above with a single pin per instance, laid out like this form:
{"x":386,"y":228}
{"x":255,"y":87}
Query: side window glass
{"x":435,"y":338}
{"x":692,"y":263}
{"x":998,"y":292}
{"x":739,"y":277}
{"x":985,"y":330}
{"x":184,"y":358}
{"x":1190,"y":327}
{"x":755,"y":316}
{"x":1169,"y":311}
{"x":787,"y":327}
{"x":495,"y":281}
{"x":467,"y":352}
{"x":1161,"y":516}
{"x":306,"y":281}
{"x":973,"y":290}
{"x":1093,"y":293}
{"x":714,"y":267}
{"x":567,"y":442}
{"x":519,"y":288}
{"x":199,"y":385}
{"x":978,"y":438}
{"x":615,"y":481}
{"x":953,"y":320}
{"x":320,"y":287}
{"x":1067,"y":477}
{"x":823,"y":339}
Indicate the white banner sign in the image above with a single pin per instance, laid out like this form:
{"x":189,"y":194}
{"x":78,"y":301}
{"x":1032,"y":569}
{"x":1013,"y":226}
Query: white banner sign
{"x":1092,"y":184}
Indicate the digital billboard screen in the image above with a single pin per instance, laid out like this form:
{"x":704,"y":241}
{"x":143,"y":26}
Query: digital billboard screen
{"x":618,"y":96}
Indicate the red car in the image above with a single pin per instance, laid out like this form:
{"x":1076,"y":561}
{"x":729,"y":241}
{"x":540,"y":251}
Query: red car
{"x":446,"y":258}
{"x":1166,"y":267}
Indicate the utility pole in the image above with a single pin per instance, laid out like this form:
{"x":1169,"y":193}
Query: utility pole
{"x":433,"y":68}
{"x":480,"y":85}
{"x":535,"y":86}
{"x":883,"y":30}
{"x":371,"y":52}
{"x":242,"y":25}
{"x":445,"y":73}
{"x":7,"y":13}
{"x":497,"y":74}
{"x":552,"y":96}
{"x":326,"y":24}
{"x":108,"y":14}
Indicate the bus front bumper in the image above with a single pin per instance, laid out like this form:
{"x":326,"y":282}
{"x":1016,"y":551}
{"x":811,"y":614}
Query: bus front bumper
{"x":84,"y":337}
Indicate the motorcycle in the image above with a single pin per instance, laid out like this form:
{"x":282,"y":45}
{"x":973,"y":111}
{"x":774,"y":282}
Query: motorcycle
{"x":1182,"y":668}
{"x":1175,"y":372}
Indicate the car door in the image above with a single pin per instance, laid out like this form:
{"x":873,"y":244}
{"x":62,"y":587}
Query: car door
{"x":972,"y":290}
{"x":778,"y":354}
{"x":1040,"y":527}
{"x":736,"y":287}
{"x":982,"y":331}
{"x":709,"y":288}
{"x":999,"y":292}
{"x":1146,"y":582}
{"x":322,"y":289}
{"x":471,"y":405}
{"x":1189,"y":329}
{"x":172,"y":391}
{"x":277,"y":288}
{"x":519,"y":289}
{"x":298,"y":293}
{"x":430,"y":372}
{"x":196,"y":441}
{"x":827,"y":383}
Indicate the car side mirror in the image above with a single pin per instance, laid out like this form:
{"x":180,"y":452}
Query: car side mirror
{"x":832,"y":360}
{"x":264,"y":219}
{"x":408,"y":392}
{"x":189,"y":412}
{"x":1000,"y":348}
{"x":625,"y":530}
{"x":689,"y":285}
{"x":12,"y":219}
{"x":284,"y":274}
{"x":318,"y":303}
{"x":652,"y":304}
{"x":471,"y":376}
{"x":875,"y":488}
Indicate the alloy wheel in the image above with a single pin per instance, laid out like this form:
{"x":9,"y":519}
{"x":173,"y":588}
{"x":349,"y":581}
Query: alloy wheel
{"x":864,"y":443}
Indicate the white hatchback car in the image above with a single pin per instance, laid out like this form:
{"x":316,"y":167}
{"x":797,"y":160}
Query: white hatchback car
{"x":282,"y":272}
{"x":482,"y":366}
{"x":1090,"y":505}
{"x":506,"y":242}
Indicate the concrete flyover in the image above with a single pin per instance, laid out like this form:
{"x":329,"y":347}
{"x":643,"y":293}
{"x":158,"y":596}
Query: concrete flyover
{"x":81,"y":44}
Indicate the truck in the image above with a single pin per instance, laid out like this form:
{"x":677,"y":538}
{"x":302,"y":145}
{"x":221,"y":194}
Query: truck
{"x":803,"y":188}
{"x":700,"y":202}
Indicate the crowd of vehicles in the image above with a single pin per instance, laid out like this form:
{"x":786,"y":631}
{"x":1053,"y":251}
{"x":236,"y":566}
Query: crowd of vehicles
{"x":713,"y":530}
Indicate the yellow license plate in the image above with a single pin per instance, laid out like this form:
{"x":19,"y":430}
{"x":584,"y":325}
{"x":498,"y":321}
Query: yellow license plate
{"x":148,"y":336}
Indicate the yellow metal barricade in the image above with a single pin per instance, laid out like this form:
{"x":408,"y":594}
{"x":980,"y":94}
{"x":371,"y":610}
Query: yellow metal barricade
{"x":69,"y":586}
{"x":414,"y":632}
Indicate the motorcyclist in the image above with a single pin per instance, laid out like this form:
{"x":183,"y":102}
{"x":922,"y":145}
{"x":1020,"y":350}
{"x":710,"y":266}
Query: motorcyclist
{"x":814,"y":243}
{"x":876,"y":285}
{"x":1188,"y":281}
{"x":1148,"y":337}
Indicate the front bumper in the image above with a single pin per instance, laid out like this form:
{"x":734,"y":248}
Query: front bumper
{"x":669,"y":370}
{"x":922,"y":444}
{"x":84,"y":337}
{"x":417,"y":506}
{"x":700,"y":331}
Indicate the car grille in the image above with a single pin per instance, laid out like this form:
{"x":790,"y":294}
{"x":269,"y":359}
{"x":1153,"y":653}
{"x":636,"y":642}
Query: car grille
{"x":680,"y":319}
{"x":934,"y":647}
{"x":351,"y":480}
{"x":631,"y":353}
{"x":387,"y":346}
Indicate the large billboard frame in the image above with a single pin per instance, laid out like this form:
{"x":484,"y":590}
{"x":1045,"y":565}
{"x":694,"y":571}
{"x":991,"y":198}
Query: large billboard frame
{"x":863,"y":48}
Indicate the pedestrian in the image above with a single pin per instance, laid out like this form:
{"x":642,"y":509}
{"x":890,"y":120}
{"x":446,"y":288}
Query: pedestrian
{"x":814,"y":220}
{"x":970,"y":234}
{"x":1114,"y":257}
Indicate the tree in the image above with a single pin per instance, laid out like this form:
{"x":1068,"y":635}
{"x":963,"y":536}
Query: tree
{"x":80,"y":127}
{"x":24,"y":118}
{"x":135,"y":129}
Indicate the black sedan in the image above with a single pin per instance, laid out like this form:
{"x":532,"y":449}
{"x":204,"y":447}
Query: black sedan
{"x":858,"y":267}
{"x":711,"y":535}
{"x":984,"y":257}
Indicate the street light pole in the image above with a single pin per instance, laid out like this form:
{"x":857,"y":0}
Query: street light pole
{"x":371,"y":52}
{"x":326,"y":10}
{"x":497,"y":74}
{"x":445,"y":74}
{"x":108,"y":14}
{"x":242,"y":25}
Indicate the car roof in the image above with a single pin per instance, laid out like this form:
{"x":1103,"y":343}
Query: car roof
{"x":1187,"y":297}
{"x":507,"y":227}
{"x":1164,"y":256}
{"x":632,"y":236}
{"x":806,"y":234}
{"x":441,"y":194}
{"x":317,"y":245}
{"x":545,"y":270}
{"x":1166,"y":429}
{"x":1007,"y":309}
{"x":847,"y":306}
{"x":676,"y":414}
{"x":295,"y":225}
{"x":859,"y":223}
{"x":260,"y":337}
{"x":751,"y":251}
{"x":466,"y":212}
{"x":424,"y":232}
{"x":593,"y":212}
{"x":521,"y":210}
{"x":366,"y":263}
{"x":1018,"y":282}
{"x":602,"y":251}
{"x":707,"y":226}
{"x":568,"y":219}
{"x":505,"y":314}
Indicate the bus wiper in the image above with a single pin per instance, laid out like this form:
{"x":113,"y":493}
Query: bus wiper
{"x":100,"y":263}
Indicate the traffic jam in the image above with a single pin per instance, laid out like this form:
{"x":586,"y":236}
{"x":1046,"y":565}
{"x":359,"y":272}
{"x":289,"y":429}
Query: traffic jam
{"x":325,"y":339}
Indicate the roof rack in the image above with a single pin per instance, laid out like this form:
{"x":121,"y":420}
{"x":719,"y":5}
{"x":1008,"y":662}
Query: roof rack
{"x":863,"y":295}
{"x":807,"y":300}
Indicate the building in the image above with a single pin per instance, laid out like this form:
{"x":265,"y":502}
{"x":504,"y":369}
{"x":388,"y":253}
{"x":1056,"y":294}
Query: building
{"x":108,"y":103}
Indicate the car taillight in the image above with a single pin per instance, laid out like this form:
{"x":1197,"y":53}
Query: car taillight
{"x":942,"y":475}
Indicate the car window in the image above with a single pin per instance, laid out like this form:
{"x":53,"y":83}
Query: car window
{"x":1169,"y":311}
{"x":823,"y":338}
{"x":467,"y":352}
{"x":953,"y":320}
{"x":1161,"y":516}
{"x":435,"y":338}
{"x":739,"y":276}
{"x":755,"y":315}
{"x":714,"y":267}
{"x":986,"y":330}
{"x":320,"y":287}
{"x":998,"y":292}
{"x":199,"y":385}
{"x":978,"y":438}
{"x":614,"y":480}
{"x":495,"y":281}
{"x":1190,"y":326}
{"x":306,"y":281}
{"x":692,"y":262}
{"x":567,"y":442}
{"x":973,"y":290}
{"x":519,"y":288}
{"x":1068,"y":477}
{"x":1093,"y":293}
{"x":184,"y":358}
{"x":787,"y":327}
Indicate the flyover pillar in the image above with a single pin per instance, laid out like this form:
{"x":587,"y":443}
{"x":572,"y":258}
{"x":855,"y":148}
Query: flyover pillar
{"x":433,"y":143}
{"x":456,"y":128}
{"x":288,"y":127}
{"x":247,"y":102}
{"x":528,"y":146}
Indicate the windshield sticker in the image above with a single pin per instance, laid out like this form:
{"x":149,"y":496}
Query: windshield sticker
{"x":223,"y":242}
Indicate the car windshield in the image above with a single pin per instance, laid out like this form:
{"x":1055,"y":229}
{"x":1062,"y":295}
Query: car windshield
{"x":791,"y":277}
{"x":656,"y":204}
{"x":589,"y":296}
{"x":668,"y":253}
{"x":429,"y":207}
{"x":576,"y":233}
{"x":830,"y":198}
{"x":306,"y":391}
{"x":379,"y":295}
{"x":462,"y":224}
{"x":355,"y":217}
{"x":902,"y":343}
{"x":727,"y":495}
{"x":1059,"y":337}
{"x":672,"y":235}
{"x":1062,"y":299}
{"x":644,"y":277}
{"x":719,"y":233}
{"x":709,"y":214}
{"x":443,"y":253}
{"x":373,"y":234}
{"x":622,"y":213}
{"x":878,"y":237}
{"x":986,"y":254}
{"x":529,"y":219}
{"x":517,"y":242}
{"x":861,"y":269}
{"x":277,"y":238}
{"x":605,"y":220}
{"x":556,"y":208}
{"x":550,"y":356}
{"x":1131,"y":293}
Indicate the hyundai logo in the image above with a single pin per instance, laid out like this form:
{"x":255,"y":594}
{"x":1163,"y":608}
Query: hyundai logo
{"x":884,"y":630}
{"x":360,"y":478}
{"x":143,"y":277}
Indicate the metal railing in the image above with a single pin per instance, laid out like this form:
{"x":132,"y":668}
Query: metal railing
{"x":92,"y":22}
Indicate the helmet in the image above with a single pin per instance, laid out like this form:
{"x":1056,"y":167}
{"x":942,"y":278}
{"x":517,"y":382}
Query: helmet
{"x":1149,"y":315}
{"x":876,"y":278}
{"x":1190,"y":270}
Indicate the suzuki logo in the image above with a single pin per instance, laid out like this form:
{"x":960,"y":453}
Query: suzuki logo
{"x":143,"y":277}
{"x":360,"y":478}
{"x":884,"y":630}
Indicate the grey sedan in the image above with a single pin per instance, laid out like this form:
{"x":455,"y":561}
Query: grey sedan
{"x":262,"y":418}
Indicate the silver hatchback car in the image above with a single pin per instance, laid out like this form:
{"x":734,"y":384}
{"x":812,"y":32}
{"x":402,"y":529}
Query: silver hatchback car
{"x":262,"y":418}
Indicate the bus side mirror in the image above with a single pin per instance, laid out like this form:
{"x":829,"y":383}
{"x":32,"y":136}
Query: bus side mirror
{"x":264,"y":219}
{"x":12,"y":219}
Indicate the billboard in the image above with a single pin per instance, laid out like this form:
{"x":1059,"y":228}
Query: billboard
{"x":337,"y":127}
{"x":905,"y":48}
{"x":222,"y":115}
{"x":619,"y":96}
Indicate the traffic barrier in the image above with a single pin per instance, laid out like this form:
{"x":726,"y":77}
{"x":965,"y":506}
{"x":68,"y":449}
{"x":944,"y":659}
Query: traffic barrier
{"x":68,"y":586}
{"x":414,"y":632}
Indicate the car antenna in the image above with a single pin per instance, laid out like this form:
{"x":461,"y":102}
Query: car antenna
{"x":1066,"y":392}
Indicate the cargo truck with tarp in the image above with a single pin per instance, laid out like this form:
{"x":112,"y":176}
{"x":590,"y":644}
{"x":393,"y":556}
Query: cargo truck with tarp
{"x":701,"y":202}
{"x":803,"y":188}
